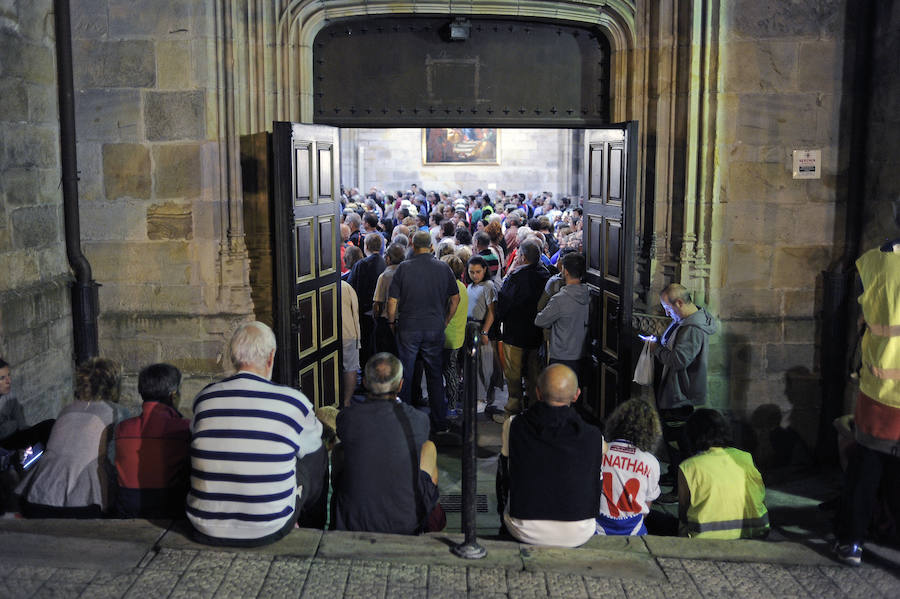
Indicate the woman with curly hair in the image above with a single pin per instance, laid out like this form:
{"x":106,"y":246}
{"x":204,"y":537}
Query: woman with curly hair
{"x":75,"y":477}
{"x":630,"y":470}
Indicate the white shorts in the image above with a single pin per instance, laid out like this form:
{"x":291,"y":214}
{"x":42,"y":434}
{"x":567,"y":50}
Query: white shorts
{"x":350,"y":355}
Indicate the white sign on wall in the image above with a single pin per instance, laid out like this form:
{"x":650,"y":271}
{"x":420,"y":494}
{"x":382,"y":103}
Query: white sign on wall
{"x":807,"y":164}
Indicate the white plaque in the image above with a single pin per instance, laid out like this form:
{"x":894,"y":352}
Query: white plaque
{"x":807,"y":164}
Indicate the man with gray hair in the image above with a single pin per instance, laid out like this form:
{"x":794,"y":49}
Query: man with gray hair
{"x":257,"y":461}
{"x":385,"y":468}
{"x":354,"y":221}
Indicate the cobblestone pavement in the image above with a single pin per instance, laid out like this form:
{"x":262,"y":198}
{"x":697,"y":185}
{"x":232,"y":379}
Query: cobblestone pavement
{"x":178,"y":573}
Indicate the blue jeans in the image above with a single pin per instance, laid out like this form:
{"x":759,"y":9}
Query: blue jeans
{"x":430,"y":345}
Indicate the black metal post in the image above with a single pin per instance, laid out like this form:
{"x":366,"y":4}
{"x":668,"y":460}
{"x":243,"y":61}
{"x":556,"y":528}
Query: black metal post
{"x":469,"y":548}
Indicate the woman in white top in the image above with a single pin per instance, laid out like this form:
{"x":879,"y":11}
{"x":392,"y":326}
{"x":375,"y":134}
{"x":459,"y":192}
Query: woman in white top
{"x":482,"y":295}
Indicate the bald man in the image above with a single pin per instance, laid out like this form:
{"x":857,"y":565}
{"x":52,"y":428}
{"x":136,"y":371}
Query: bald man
{"x":549,"y":468}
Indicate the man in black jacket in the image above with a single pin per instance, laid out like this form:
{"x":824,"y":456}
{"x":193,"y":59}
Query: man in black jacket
{"x":516,"y":308}
{"x":549,"y":467}
{"x":363,"y":278}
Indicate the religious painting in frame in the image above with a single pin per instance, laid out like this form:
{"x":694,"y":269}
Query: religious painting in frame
{"x":463,"y":145}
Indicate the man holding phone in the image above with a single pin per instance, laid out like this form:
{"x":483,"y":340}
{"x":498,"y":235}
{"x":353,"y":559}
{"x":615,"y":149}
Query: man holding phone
{"x":682,"y":351}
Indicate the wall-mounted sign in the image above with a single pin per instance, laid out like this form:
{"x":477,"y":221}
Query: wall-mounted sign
{"x":807,"y":164}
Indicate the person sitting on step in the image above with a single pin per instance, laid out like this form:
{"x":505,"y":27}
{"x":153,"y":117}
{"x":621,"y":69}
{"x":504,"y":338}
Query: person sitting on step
{"x":720,"y":492}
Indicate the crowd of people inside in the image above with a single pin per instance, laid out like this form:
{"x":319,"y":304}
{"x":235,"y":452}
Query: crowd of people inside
{"x":253,"y":460}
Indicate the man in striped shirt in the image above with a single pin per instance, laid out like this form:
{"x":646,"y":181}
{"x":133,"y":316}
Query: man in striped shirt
{"x":483,"y":248}
{"x":257,"y":460}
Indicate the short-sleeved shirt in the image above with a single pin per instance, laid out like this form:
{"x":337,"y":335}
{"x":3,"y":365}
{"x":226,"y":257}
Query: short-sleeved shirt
{"x":384,"y":283}
{"x":630,"y":481}
{"x":481,"y":295}
{"x":422,"y":285}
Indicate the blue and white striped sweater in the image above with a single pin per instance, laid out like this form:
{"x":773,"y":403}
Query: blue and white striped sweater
{"x":247,"y":434}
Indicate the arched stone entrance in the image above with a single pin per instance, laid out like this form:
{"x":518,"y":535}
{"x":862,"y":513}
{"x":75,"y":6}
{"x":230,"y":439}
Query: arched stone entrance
{"x":663,"y":65}
{"x":276,"y":79}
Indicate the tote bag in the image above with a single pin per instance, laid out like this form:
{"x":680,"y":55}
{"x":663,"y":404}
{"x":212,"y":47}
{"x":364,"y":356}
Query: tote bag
{"x":643,"y":372}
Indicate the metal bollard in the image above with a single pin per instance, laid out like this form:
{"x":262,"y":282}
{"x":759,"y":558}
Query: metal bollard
{"x":469,"y":548}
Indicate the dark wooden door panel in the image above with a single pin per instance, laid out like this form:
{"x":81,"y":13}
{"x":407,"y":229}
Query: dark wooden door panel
{"x":608,"y":240}
{"x":306,"y":289}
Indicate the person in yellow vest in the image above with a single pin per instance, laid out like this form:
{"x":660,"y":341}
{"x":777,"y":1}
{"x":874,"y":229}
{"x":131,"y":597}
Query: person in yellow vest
{"x":454,"y":334}
{"x":721,"y":494}
{"x":877,"y":412}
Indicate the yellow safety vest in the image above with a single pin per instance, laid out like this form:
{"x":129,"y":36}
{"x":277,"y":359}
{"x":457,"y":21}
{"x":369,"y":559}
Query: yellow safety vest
{"x":727,"y":496}
{"x":879,"y":377}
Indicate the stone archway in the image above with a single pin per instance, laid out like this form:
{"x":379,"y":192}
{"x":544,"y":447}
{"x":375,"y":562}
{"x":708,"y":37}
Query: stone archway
{"x":301,"y":20}
{"x":664,"y":67}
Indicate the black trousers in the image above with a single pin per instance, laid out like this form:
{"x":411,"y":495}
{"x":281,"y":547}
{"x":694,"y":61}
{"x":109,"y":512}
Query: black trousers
{"x":673,"y":430}
{"x":39,"y":433}
{"x":384,"y":338}
{"x":866,"y":470}
{"x":366,"y":338}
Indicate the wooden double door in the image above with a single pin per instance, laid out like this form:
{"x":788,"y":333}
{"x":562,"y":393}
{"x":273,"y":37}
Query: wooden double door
{"x":292,"y":218}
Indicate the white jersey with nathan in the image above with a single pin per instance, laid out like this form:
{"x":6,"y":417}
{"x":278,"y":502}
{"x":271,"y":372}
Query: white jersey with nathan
{"x":630,"y":481}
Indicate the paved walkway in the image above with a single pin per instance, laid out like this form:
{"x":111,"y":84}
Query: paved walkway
{"x":94,"y":559}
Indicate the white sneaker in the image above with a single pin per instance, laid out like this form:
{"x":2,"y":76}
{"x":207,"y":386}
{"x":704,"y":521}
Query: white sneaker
{"x":479,"y":407}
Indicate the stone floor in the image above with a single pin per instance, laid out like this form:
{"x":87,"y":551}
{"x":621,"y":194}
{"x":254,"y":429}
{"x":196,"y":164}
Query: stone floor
{"x":141,"y":559}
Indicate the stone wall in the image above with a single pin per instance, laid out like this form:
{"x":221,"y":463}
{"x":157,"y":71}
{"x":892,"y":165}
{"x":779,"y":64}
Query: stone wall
{"x":35,"y":312}
{"x":157,"y":102}
{"x":779,"y":89}
{"x":530,"y":160}
{"x":154,"y":222}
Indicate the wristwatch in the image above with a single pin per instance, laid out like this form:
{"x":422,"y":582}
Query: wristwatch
{"x":484,"y":332}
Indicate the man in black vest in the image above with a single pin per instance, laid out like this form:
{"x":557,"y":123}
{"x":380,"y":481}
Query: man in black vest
{"x":549,"y":467}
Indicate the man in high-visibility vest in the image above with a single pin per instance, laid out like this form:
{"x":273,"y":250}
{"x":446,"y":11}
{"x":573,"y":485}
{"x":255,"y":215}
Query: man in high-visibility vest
{"x":721,"y":494}
{"x":878,"y":405}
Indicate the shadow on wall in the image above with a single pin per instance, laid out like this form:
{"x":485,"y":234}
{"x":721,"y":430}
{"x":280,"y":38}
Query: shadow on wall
{"x":732,"y":357}
{"x":774,"y":443}
{"x":780,"y":447}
